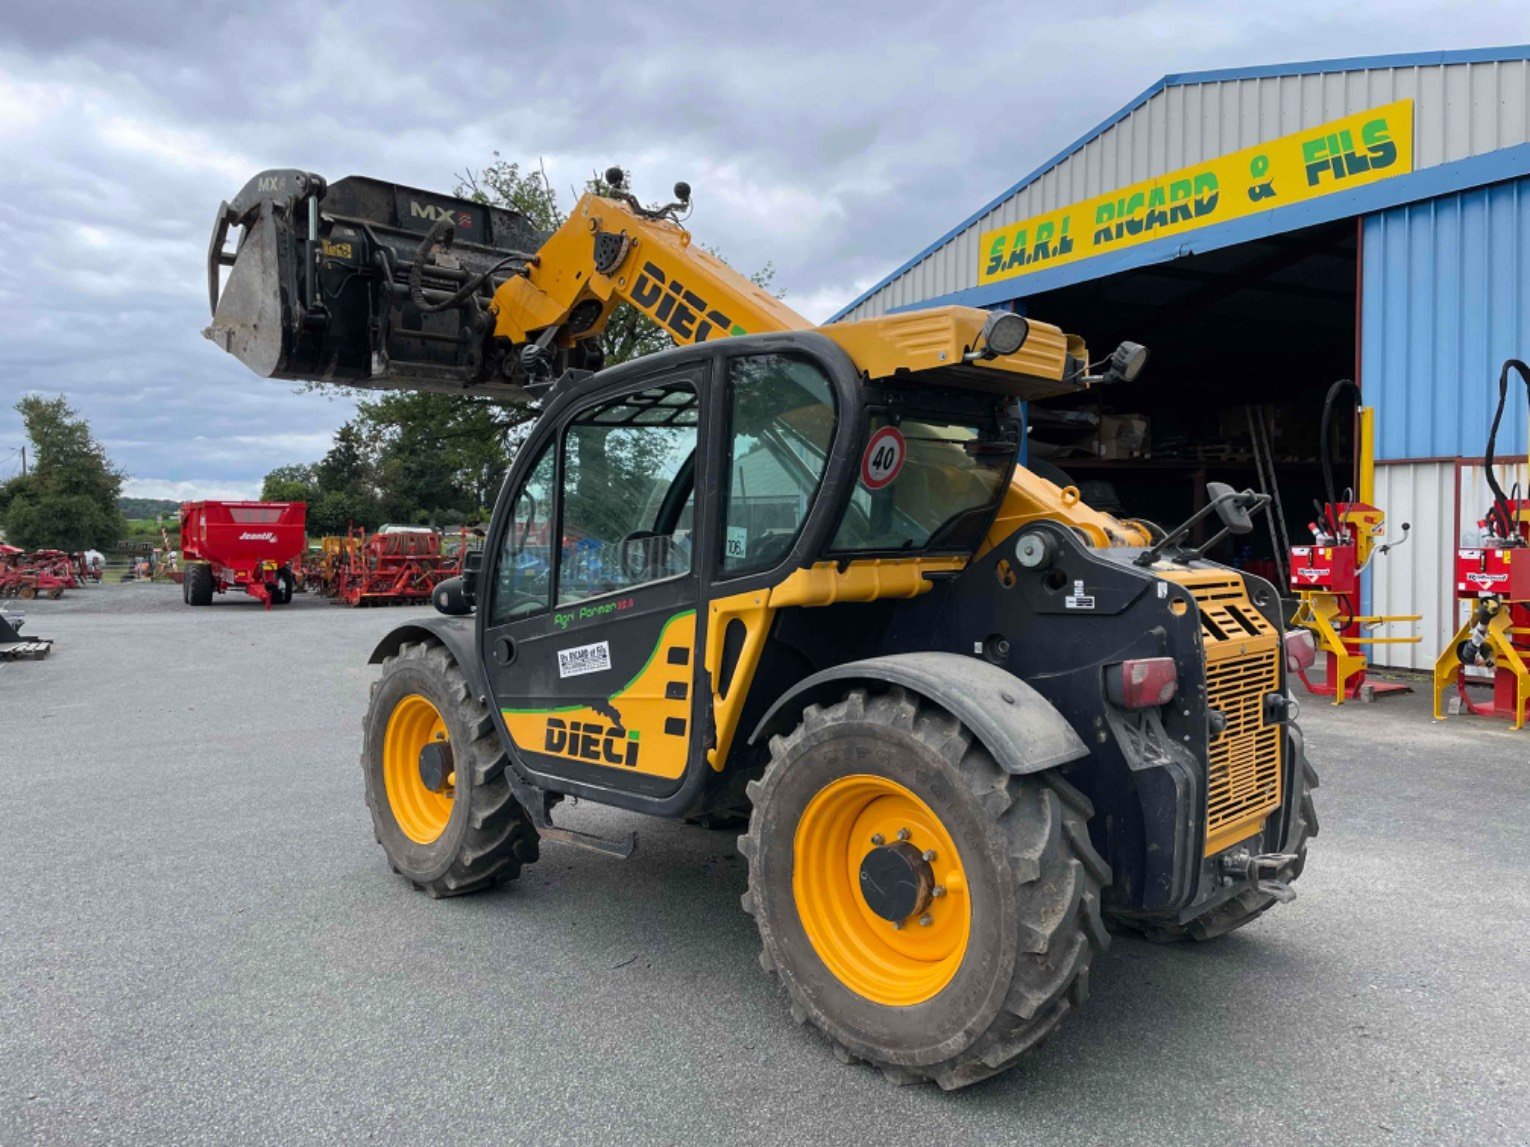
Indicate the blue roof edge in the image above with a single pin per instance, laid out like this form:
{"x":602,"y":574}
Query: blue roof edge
{"x":1182,"y":79}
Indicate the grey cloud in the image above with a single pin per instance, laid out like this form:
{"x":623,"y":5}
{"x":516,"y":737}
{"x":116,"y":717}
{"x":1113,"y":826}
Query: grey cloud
{"x":831,"y":140}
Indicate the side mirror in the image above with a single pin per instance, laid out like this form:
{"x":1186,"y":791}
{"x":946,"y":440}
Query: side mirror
{"x":1231,"y":507}
{"x":449,"y":598}
{"x":472,"y":562}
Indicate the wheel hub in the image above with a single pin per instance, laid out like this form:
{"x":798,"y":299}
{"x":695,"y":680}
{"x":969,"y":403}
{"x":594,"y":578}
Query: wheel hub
{"x":435,"y":765}
{"x":896,"y":881}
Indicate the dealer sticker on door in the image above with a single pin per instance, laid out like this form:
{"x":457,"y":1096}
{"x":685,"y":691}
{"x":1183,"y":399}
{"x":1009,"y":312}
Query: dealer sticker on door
{"x":584,"y":659}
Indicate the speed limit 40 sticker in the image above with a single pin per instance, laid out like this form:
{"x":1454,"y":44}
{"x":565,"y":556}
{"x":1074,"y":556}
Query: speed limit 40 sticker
{"x":883,"y":458}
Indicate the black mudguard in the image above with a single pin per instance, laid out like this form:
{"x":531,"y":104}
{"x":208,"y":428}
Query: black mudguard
{"x":1013,"y":721}
{"x":456,"y":633}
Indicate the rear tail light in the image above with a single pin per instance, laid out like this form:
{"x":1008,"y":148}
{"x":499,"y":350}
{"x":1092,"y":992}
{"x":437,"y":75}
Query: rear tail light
{"x":1301,"y":650}
{"x":1142,"y":684}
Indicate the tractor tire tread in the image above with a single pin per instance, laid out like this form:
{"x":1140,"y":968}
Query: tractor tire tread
{"x":1045,"y":822}
{"x":499,"y":838}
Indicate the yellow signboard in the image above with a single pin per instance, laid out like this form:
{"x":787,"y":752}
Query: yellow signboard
{"x":1337,"y":156}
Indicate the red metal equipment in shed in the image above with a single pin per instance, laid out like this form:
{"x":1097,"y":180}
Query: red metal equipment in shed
{"x":241,"y":545}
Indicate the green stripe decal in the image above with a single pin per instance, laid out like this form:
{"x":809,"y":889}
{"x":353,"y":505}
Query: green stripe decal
{"x":663,"y":634}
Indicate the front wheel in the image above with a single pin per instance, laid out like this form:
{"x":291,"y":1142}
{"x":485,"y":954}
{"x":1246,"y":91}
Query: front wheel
{"x":435,"y":779}
{"x":928,"y":912}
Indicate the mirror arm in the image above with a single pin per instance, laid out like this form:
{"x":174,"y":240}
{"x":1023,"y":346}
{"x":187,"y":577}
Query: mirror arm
{"x":1148,"y":557}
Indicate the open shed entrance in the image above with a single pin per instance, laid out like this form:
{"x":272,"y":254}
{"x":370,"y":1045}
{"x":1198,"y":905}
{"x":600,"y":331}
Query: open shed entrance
{"x":1257,"y":331}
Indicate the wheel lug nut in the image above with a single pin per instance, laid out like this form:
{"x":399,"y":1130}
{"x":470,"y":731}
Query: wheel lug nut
{"x":926,"y":920}
{"x":938,"y":891}
{"x":878,"y":839}
{"x":929,"y":856}
{"x":897,"y":925}
{"x":904,"y":834}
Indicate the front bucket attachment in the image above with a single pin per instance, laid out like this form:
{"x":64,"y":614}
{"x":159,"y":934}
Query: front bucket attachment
{"x":319,"y":284}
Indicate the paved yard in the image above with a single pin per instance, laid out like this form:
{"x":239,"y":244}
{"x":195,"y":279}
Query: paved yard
{"x":199,"y":941}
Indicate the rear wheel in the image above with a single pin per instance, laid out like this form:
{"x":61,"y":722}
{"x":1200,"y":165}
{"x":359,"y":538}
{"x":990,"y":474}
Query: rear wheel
{"x":199,"y":584}
{"x":435,"y":779}
{"x":281,"y":592}
{"x":928,"y":912}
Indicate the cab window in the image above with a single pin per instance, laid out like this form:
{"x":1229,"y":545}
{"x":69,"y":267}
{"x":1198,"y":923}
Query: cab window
{"x":781,"y":422}
{"x":927,"y":484}
{"x":524,"y":579}
{"x":628,"y":493}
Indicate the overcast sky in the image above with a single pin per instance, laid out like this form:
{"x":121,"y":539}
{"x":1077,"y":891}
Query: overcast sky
{"x":834,"y":140}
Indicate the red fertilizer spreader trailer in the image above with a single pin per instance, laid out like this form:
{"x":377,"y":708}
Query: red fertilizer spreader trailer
{"x":241,"y":545}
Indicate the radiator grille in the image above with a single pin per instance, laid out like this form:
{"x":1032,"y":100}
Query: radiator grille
{"x":1242,"y":665}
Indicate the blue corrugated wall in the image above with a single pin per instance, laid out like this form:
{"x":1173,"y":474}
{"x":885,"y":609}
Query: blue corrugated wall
{"x":1446,"y":298}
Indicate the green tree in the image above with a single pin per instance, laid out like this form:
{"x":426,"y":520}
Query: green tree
{"x":69,"y":500}
{"x":299,"y":483}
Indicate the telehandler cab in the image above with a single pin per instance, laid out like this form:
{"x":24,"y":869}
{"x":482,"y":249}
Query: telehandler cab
{"x":794,"y":577}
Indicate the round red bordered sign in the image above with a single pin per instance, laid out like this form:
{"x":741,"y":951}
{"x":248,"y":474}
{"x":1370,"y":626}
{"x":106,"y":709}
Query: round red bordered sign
{"x":883,"y":458}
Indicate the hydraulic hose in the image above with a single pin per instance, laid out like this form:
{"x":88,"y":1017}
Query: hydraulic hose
{"x":1326,"y":439}
{"x":1502,"y":515}
{"x":443,"y":233}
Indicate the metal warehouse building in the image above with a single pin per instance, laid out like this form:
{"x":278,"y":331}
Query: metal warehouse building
{"x":1266,"y":231}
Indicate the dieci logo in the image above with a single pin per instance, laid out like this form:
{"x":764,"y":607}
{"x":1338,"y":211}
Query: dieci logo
{"x":592,"y":741}
{"x":683,"y":312}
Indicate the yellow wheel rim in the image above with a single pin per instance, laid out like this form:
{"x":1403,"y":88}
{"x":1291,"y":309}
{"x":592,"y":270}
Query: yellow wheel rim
{"x":420,"y":813}
{"x":892,"y":963}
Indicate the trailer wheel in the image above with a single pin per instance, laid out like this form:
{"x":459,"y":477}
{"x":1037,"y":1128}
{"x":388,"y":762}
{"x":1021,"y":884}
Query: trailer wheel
{"x":199,"y":584}
{"x":928,"y":912}
{"x":281,"y":593}
{"x":1250,"y":905}
{"x":27,"y":593}
{"x":435,"y":779}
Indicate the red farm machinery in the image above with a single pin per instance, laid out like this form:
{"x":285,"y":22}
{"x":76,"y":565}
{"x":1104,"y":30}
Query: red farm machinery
{"x":398,"y":565}
{"x":1325,"y":576}
{"x":241,"y":545}
{"x":1492,"y":588}
{"x":41,"y":574}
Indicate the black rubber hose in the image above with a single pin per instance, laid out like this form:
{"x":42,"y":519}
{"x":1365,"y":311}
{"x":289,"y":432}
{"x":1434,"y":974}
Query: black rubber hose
{"x":442,"y":233}
{"x":1327,"y":440}
{"x":1501,"y":510}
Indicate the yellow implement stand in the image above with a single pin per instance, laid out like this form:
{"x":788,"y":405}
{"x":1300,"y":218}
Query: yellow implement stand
{"x":1511,"y":677}
{"x":1317,"y":613}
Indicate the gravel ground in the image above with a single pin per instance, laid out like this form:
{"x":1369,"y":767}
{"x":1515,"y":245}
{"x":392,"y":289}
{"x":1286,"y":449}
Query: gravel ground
{"x":200,"y":941}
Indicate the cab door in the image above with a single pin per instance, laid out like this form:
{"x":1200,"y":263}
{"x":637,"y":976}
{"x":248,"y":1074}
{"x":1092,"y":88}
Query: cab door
{"x":590,"y":632}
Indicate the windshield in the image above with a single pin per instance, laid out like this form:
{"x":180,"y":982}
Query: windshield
{"x":924,"y":484}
